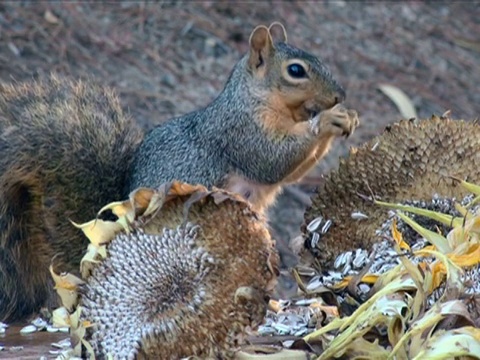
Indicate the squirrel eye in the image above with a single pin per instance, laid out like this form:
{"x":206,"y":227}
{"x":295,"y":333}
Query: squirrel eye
{"x":296,"y":71}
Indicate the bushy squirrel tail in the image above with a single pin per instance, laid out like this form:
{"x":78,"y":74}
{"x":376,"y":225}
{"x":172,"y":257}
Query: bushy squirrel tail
{"x":65,"y":147}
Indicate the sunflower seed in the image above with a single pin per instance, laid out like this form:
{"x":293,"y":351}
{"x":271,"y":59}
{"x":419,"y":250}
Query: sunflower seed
{"x":348,"y":257}
{"x":335,"y":275}
{"x":315,"y":240}
{"x":28,"y":329}
{"x":347,"y":268}
{"x":292,"y":318}
{"x":305,"y":271}
{"x":305,"y":302}
{"x":363,"y":288}
{"x":384,"y":268}
{"x":39,"y":323}
{"x":67,"y":354}
{"x":357,"y":215}
{"x":314,"y":224}
{"x":360,"y":259}
{"x":314,"y":283}
{"x":326,"y":227}
{"x":65,"y":343}
{"x":340,"y":260}
{"x":282,"y":329}
{"x":301,"y":332}
{"x":343,"y":259}
{"x":360,"y":252}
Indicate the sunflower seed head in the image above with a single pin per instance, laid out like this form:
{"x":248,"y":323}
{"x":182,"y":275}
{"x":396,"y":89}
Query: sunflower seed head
{"x":410,"y":162}
{"x":172,"y":283}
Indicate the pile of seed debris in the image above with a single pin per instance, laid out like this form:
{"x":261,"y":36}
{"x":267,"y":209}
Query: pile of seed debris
{"x":37,"y":325}
{"x":300,"y":317}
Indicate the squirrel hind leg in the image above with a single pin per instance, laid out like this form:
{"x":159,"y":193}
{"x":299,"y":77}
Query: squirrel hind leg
{"x":15,"y":205}
{"x":14,"y":305}
{"x":24,"y":254}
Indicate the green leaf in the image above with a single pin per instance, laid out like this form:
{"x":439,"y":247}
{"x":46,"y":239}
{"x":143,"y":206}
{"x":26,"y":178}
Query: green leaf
{"x":447,"y":220}
{"x":439,"y":241}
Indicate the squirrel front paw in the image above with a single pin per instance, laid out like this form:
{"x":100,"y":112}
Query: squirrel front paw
{"x":337,"y":121}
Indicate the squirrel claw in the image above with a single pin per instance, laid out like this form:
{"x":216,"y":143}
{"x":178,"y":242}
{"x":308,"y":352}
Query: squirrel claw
{"x":337,"y":121}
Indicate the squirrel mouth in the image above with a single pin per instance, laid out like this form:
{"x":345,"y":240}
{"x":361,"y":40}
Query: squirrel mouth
{"x":312,"y":108}
{"x":312,"y":112}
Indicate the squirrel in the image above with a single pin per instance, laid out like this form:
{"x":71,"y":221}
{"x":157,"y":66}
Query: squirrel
{"x":275,"y":119}
{"x":67,"y":149}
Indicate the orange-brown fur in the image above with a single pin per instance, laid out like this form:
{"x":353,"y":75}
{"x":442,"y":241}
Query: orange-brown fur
{"x":279,"y":120}
{"x":285,"y":111}
{"x":261,"y":196}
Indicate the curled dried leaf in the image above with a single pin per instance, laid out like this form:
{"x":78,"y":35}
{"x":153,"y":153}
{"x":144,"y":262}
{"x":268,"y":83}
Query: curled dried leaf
{"x":368,"y":279}
{"x":65,"y":280}
{"x":400,"y":99}
{"x":99,"y":232}
{"x":397,"y":236}
{"x":66,"y":286}
{"x":444,"y":219}
{"x":92,"y":257}
{"x":427,"y":322}
{"x":450,"y":344}
{"x":439,"y":241}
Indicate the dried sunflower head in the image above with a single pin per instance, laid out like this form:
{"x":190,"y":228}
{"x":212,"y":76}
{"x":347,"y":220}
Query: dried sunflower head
{"x":424,"y":306}
{"x":189,"y":275}
{"x":410,"y":161}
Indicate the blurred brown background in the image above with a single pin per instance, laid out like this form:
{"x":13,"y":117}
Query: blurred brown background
{"x":167,"y":58}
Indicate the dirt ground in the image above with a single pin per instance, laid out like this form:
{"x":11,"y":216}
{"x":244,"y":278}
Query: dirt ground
{"x":168,"y":58}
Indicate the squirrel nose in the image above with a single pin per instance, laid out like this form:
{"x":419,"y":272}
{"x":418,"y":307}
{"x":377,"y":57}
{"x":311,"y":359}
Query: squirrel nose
{"x":340,"y":96}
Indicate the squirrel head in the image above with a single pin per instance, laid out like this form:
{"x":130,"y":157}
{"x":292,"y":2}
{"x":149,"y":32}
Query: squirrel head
{"x":290,"y":77}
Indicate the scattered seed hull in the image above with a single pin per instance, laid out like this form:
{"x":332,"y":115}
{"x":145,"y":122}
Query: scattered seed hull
{"x":412,"y":160}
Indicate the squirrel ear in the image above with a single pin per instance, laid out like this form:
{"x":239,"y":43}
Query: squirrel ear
{"x":283,"y":32}
{"x":261,"y":45}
